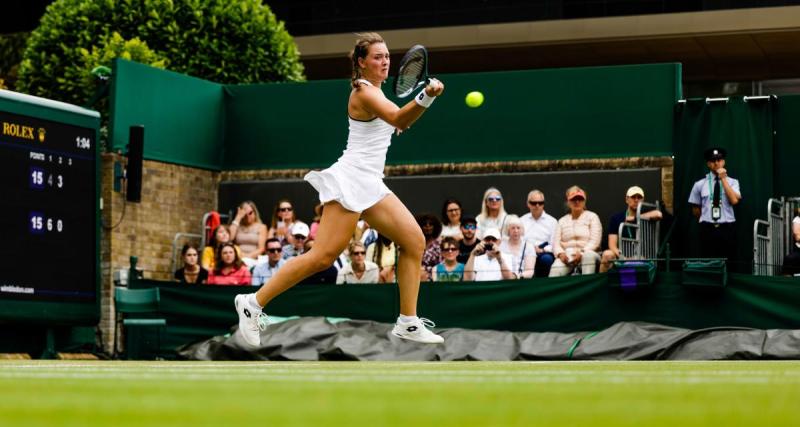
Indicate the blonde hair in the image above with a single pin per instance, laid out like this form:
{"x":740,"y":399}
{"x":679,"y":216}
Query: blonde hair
{"x":252,"y":204}
{"x":364,"y":41}
{"x":484,"y":211}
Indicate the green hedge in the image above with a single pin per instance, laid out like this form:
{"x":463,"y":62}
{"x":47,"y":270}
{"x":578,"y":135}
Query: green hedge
{"x":12,"y":47}
{"x":226,"y":41}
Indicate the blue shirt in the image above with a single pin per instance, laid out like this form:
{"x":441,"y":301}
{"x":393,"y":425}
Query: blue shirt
{"x":702,"y":196}
{"x":263,"y":272}
{"x":442,"y":275}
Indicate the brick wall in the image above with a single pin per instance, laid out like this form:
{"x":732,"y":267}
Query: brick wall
{"x":174,"y":199}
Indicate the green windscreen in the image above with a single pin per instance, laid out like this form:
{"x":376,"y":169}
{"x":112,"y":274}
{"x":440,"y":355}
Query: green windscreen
{"x":183,"y":116}
{"x":542,"y":114}
{"x":787,"y":147}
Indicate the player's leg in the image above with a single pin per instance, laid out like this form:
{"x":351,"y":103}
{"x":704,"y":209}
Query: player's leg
{"x":334,"y":232}
{"x":392,"y":219}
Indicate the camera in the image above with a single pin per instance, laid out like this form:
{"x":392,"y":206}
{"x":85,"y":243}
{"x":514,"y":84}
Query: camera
{"x":488,"y":247}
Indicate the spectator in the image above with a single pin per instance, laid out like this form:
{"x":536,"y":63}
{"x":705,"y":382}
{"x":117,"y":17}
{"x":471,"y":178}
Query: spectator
{"x":577,"y":237}
{"x":791,"y":262}
{"x":431,"y":229}
{"x":249,"y":233}
{"x":327,"y":276}
{"x":384,"y":254}
{"x":540,"y":228}
{"x":283,"y":218}
{"x":191,"y":272}
{"x":493,"y":212}
{"x":633,"y":198}
{"x":364,"y":233}
{"x":486,"y":262}
{"x":449,"y":270}
{"x":451,"y":219}
{"x":713,"y":198}
{"x":230,"y":270}
{"x":299,"y":233}
{"x":359,"y":270}
{"x":221,"y":235}
{"x":264,"y":271}
{"x":523,"y":255}
{"x":469,"y":229}
{"x":312,"y":233}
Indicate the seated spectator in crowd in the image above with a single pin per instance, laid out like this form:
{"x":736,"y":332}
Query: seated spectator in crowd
{"x":220,"y":235}
{"x":191,"y":272}
{"x":540,"y":228}
{"x":359,"y":270}
{"x":299,"y":233}
{"x":431,"y":229}
{"x":327,"y":276}
{"x":264,"y":271}
{"x":486,"y":262}
{"x":312,"y":229}
{"x":791,"y":262}
{"x":577,"y":237}
{"x":230,"y":270}
{"x":249,"y":232}
{"x":283,"y":218}
{"x":451,"y":219}
{"x":633,"y":197}
{"x":493,"y":212}
{"x":449,"y":270}
{"x":469,"y":229}
{"x":364,"y":233}
{"x":383,"y":253}
{"x":523,"y":254}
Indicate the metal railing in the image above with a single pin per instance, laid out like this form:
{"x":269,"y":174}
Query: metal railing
{"x":640,"y":239}
{"x":762,"y":248}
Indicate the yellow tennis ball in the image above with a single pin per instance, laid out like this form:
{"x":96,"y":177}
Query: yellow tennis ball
{"x":474,"y":99}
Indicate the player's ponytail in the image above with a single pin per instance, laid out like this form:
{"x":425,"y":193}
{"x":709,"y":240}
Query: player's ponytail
{"x":364,"y":41}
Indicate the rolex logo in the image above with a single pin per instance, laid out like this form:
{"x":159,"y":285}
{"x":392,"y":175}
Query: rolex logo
{"x":41,"y":134}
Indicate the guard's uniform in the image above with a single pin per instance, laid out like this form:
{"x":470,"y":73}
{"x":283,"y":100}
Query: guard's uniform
{"x":717,"y":223}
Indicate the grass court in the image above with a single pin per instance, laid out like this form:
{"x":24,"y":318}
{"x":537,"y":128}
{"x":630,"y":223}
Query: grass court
{"x":115,"y":393}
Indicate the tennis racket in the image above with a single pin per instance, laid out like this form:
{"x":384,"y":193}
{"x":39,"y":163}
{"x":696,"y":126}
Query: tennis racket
{"x":413,"y":71}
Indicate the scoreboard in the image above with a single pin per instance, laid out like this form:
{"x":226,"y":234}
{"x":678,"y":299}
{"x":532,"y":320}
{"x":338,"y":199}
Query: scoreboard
{"x":49,"y":211}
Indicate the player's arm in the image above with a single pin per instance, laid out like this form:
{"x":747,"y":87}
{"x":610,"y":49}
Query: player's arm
{"x":373,"y":101}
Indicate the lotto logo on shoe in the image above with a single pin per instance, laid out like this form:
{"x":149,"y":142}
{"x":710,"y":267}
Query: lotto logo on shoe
{"x":411,"y":328}
{"x":247,"y":312}
{"x":421,"y":95}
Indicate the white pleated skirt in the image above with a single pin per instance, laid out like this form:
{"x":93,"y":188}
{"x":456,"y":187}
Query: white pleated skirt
{"x":351,"y":187}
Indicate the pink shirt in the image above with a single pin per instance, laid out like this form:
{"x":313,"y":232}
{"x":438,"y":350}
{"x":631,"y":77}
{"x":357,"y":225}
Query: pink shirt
{"x":235,"y":277}
{"x":585,"y":232}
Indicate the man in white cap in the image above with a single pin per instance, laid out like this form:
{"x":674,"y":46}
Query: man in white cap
{"x":633,"y":197}
{"x":300,"y":233}
{"x":486,"y":262}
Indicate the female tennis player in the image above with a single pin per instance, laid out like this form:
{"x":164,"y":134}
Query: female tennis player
{"x":353,"y":187}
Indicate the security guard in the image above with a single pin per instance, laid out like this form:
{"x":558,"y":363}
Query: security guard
{"x":712,"y":200}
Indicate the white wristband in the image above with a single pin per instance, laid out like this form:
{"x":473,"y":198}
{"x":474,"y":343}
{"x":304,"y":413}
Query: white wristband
{"x":424,"y":100}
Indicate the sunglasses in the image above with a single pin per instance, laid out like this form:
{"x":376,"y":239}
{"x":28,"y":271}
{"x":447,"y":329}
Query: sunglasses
{"x":449,"y":250}
{"x":453,"y":210}
{"x":532,"y":203}
{"x":470,"y":227}
{"x":494,"y":198}
{"x":284,"y":209}
{"x":299,"y":237}
{"x":577,"y":199}
{"x":251,"y":213}
{"x":274,"y":250}
{"x":357,"y":253}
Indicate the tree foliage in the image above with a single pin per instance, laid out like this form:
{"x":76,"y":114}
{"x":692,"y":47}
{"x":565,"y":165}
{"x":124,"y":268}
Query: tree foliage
{"x":226,"y":41}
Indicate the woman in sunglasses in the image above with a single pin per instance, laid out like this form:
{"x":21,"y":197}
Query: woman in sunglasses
{"x":248,"y":232}
{"x":283,"y":218}
{"x":493,"y":213}
{"x":577,"y":237}
{"x":451,"y":219}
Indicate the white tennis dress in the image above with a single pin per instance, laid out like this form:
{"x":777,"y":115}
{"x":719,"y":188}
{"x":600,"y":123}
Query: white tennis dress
{"x":356,"y":179}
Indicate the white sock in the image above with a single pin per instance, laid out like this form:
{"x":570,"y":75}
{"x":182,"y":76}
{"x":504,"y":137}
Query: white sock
{"x":251,"y":299}
{"x":407,"y":319}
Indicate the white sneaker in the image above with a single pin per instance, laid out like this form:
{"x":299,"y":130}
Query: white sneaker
{"x":251,"y":320}
{"x":417,"y":331}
